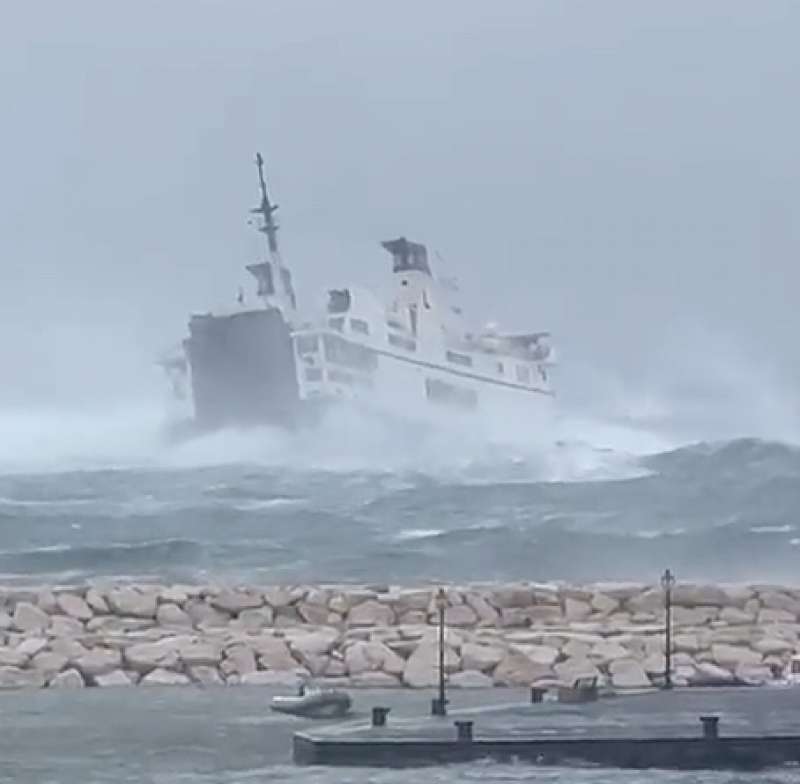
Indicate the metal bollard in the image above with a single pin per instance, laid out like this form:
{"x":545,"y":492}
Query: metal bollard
{"x":710,"y":727}
{"x":438,"y":707}
{"x":379,"y":716}
{"x":537,"y":694}
{"x":464,"y":730}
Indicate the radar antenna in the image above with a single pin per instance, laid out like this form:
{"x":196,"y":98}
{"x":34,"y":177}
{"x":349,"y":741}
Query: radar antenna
{"x":265,"y":210}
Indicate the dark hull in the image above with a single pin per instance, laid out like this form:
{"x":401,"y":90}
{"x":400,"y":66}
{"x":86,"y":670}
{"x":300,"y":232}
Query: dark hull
{"x":243,"y":370}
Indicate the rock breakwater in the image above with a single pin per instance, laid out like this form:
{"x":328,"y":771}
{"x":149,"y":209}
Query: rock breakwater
{"x":497,"y":635}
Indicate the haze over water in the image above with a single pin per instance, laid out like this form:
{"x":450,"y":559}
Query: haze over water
{"x":624,"y":175}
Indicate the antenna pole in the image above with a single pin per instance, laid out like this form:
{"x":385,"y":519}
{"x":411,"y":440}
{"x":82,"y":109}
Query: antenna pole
{"x":265,"y":209}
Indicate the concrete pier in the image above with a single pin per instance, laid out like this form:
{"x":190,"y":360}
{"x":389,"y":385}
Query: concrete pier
{"x":714,"y":728}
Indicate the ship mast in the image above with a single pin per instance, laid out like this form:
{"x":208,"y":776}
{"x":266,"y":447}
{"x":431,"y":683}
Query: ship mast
{"x":265,"y":210}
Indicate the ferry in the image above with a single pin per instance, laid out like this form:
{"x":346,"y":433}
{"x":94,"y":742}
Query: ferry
{"x":266,"y":364}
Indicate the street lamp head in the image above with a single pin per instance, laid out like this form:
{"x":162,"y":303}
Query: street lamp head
{"x":667,"y":580}
{"x":441,"y":599}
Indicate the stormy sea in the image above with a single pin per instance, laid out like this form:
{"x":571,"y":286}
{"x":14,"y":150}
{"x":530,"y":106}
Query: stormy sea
{"x":85,"y":497}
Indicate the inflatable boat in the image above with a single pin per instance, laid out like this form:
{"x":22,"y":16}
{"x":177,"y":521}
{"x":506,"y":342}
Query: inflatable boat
{"x":314,"y":704}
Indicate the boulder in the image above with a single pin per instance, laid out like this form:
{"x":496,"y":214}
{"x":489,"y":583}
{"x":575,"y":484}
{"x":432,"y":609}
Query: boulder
{"x":769,"y":615}
{"x":649,"y":602}
{"x":687,"y":595}
{"x":655,"y":664}
{"x":686,"y":642}
{"x":543,"y":614}
{"x":14,"y":678}
{"x":274,"y":678}
{"x":6,"y":621}
{"x":132,"y":603}
{"x":604,"y":604}
{"x":731,"y":656}
{"x":111,"y":624}
{"x":482,"y":658}
{"x":239,"y":659}
{"x":539,"y":654}
{"x":776,"y":600}
{"x":753,"y":674}
{"x":148,"y":656}
{"x":312,"y":643}
{"x":515,"y":617}
{"x":370,"y":613}
{"x":511,"y":596}
{"x":485,"y":613}
{"x":98,"y":661}
{"x":628,"y":674}
{"x":375,"y":680}
{"x":11,"y":657}
{"x":576,"y":610}
{"x":203,"y":615}
{"x":372,"y":656}
{"x":470,"y":679}
{"x":273,"y":654}
{"x":174,"y":595}
{"x":460,"y":615}
{"x":708,"y":674}
{"x":516,"y":669}
{"x":205,"y":675}
{"x":30,"y":618}
{"x":734,"y":616}
{"x":161,"y":677}
{"x":277,"y":597}
{"x":200,"y":653}
{"x":95,"y":600}
{"x":49,"y":663}
{"x":113,"y":679}
{"x":74,"y":606}
{"x":316,"y":614}
{"x":234,"y":602}
{"x":65,"y":626}
{"x":773,"y":645}
{"x":172,"y":615}
{"x":32,"y":646}
{"x":422,"y":667}
{"x":569,"y":670}
{"x":69,"y":679}
{"x":576,"y":649}
{"x":46,"y":601}
{"x":608,"y":651}
{"x":68,"y":647}
{"x":693,"y":616}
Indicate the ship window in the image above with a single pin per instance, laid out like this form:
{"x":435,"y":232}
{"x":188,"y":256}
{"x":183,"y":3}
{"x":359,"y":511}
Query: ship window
{"x":307,"y":344}
{"x":313,"y":374}
{"x":523,"y":374}
{"x":338,"y":301}
{"x":337,"y":323}
{"x":500,"y":368}
{"x":441,"y":392}
{"x":400,"y":342}
{"x":342,"y":352}
{"x":359,"y":325}
{"x":459,"y":359}
{"x":796,"y":667}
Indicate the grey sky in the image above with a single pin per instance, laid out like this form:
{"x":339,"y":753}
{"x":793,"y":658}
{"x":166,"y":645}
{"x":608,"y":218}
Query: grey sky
{"x":623,"y":173}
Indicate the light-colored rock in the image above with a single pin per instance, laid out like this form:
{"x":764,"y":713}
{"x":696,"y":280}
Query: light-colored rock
{"x":12,"y":657}
{"x":96,"y":602}
{"x":239,"y":659}
{"x":511,"y":596}
{"x":32,"y":645}
{"x":68,"y":647}
{"x":777,"y":600}
{"x":412,"y":599}
{"x":148,"y":656}
{"x":753,"y":674}
{"x":98,"y":661}
{"x":461,"y":615}
{"x":709,"y":674}
{"x":74,"y":606}
{"x":49,"y":663}
{"x":731,"y":656}
{"x":768,"y":615}
{"x":734,"y":616}
{"x":486,"y":614}
{"x":169,"y":614}
{"x":273,"y":654}
{"x":362,"y":656}
{"x":161,"y":677}
{"x":375,"y":680}
{"x":30,"y":618}
{"x":201,"y":653}
{"x":650,"y":601}
{"x":131,"y":602}
{"x":655,"y":664}
{"x":608,"y":651}
{"x":174,"y":595}
{"x":313,"y":643}
{"x":205,"y":675}
{"x":6,"y":621}
{"x":576,"y":649}
{"x":422,"y":667}
{"x":69,"y":679}
{"x":316,"y":614}
{"x":46,"y":601}
{"x":569,"y":670}
{"x":516,"y":669}
{"x":539,"y":654}
{"x":470,"y":679}
{"x":235,"y":601}
{"x":576,"y":610}
{"x":773,"y":645}
{"x":370,"y":613}
{"x":604,"y":604}
{"x":687,"y":595}
{"x":113,"y":679}
{"x":686,"y":642}
{"x":277,"y":597}
{"x":628,"y":674}
{"x":14,"y":678}
{"x":65,"y":626}
{"x":481,"y":657}
{"x":693,"y":616}
{"x":544,"y":614}
{"x":111,"y":624}
{"x":254,"y":620}
{"x":274,"y":678}
{"x":732,"y":635}
{"x":204,"y":615}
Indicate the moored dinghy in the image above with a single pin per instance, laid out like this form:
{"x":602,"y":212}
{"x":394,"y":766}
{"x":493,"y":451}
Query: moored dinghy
{"x":313,"y":703}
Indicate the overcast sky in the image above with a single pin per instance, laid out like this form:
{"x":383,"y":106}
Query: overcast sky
{"x":623,"y":173}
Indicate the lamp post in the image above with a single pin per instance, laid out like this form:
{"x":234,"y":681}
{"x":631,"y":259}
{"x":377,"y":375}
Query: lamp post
{"x":439,"y":705}
{"x":667,"y":583}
